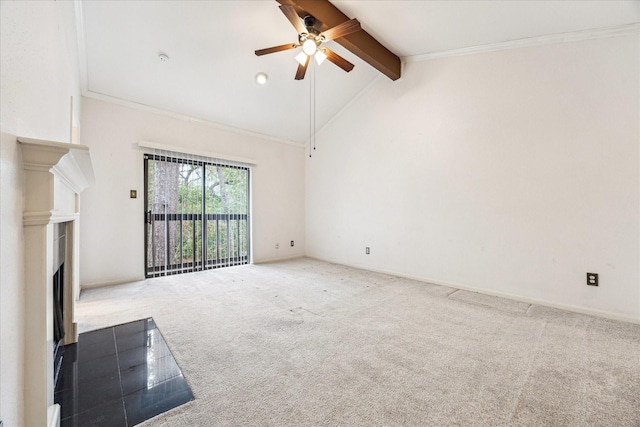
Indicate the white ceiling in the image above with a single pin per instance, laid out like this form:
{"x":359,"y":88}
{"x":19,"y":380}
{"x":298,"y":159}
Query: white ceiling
{"x":210,"y":74}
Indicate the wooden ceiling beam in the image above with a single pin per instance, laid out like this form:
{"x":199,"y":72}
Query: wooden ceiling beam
{"x":359,"y":43}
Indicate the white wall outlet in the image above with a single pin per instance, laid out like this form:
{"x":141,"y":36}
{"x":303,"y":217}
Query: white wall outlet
{"x":277,"y":245}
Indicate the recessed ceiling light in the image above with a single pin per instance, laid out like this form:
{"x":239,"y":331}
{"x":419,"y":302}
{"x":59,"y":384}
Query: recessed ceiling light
{"x":261,"y":78}
{"x":163,"y":57}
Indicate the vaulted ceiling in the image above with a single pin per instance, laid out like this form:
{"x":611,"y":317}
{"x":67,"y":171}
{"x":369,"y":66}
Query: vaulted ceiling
{"x":210,"y":74}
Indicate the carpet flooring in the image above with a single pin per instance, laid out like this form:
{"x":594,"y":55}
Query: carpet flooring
{"x":309,"y":343}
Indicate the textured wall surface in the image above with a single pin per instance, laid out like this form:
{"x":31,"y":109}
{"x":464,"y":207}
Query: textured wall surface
{"x":112,"y":227}
{"x":38,"y":78}
{"x":514,"y":172}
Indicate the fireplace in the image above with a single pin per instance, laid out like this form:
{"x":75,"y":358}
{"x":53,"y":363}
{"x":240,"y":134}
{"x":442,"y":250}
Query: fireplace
{"x":55,"y":175}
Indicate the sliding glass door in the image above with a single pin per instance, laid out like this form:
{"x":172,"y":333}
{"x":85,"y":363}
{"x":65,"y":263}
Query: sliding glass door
{"x":197,"y":215}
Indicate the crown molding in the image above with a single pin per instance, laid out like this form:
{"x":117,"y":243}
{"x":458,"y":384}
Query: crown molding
{"x":130,"y":104}
{"x":600,"y":33}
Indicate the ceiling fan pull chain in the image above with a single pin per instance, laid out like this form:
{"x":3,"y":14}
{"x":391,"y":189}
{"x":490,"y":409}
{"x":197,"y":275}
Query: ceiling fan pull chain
{"x":310,"y":113}
{"x":314,"y":106}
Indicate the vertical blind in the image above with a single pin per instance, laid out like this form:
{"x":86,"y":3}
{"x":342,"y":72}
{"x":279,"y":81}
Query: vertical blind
{"x":197,"y":213}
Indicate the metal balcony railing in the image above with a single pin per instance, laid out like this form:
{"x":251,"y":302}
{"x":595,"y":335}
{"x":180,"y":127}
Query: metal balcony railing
{"x":181,"y":243}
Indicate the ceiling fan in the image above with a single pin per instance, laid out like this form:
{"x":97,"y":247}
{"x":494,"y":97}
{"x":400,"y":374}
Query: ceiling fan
{"x":311,"y":40}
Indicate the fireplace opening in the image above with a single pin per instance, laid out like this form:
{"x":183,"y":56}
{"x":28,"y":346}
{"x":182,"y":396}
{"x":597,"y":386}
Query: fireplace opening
{"x":59,"y":250}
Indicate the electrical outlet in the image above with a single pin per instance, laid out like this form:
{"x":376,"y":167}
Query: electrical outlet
{"x":292,"y":243}
{"x":133,"y":194}
{"x":366,"y":250}
{"x":277,"y":245}
{"x":592,"y":279}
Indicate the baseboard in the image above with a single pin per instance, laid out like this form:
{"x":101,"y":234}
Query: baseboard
{"x":566,"y":307}
{"x":268,"y":260}
{"x":111,"y":283}
{"x":138,"y":279}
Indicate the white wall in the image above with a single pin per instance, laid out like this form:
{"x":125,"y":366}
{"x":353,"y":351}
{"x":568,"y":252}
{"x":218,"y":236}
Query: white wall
{"x":112,"y":227}
{"x":513,"y":172}
{"x":38,"y":77}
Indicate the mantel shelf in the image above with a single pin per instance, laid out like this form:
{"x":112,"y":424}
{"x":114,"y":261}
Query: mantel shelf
{"x":55,"y":174}
{"x":71,"y":161}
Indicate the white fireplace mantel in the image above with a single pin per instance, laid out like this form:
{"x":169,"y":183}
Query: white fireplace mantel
{"x":55,"y":173}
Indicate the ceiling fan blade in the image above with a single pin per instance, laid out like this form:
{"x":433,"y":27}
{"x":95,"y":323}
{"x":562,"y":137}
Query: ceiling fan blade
{"x":292,"y":16}
{"x":342,"y":30}
{"x":338,"y":60}
{"x":302,"y":69}
{"x":276,"y":49}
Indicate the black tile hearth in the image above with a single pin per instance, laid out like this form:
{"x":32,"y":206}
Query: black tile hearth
{"x":149,"y":402}
{"x":119,"y":376}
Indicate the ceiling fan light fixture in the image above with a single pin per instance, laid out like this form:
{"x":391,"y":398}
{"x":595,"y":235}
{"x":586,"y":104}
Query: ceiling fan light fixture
{"x":309,"y":47}
{"x":320,"y":56}
{"x":301,"y":57}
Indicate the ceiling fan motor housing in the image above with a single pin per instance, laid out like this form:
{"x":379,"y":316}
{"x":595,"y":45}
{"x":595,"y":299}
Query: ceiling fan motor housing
{"x":309,"y":21}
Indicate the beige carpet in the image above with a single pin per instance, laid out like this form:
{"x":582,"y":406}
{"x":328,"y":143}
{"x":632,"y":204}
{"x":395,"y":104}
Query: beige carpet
{"x":307,"y":343}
